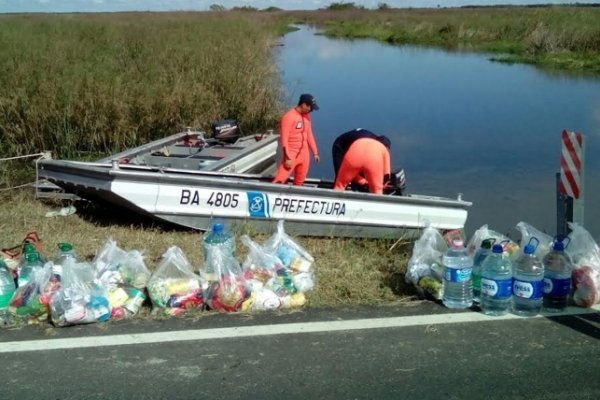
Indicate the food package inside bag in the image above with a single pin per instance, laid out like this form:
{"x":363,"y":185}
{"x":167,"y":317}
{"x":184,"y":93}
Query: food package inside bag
{"x":174,"y":286}
{"x":259,"y":265}
{"x":81,"y":299}
{"x":424,"y":269}
{"x":585,"y":255}
{"x":30,"y":301}
{"x":228,"y":291}
{"x":292,"y":254}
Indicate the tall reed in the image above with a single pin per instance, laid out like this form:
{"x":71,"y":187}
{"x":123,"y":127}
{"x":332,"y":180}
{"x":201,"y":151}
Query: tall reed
{"x":102,"y":82}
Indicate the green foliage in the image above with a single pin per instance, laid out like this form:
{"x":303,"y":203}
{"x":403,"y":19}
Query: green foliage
{"x":344,"y":6}
{"x":244,"y":8}
{"x":216,"y":7}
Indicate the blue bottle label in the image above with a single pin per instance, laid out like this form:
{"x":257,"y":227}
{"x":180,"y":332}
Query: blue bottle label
{"x":554,"y":287}
{"x":533,"y":290}
{"x":497,"y":288}
{"x":458,"y":275}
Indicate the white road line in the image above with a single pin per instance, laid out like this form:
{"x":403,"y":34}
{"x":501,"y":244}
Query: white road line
{"x":264,"y":330}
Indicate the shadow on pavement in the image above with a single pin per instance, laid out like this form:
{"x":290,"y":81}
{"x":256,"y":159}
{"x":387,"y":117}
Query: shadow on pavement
{"x":588,"y":324}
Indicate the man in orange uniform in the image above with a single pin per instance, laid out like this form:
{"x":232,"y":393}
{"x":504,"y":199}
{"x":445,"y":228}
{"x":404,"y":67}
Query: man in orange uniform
{"x":368,"y":157}
{"x":296,"y":140}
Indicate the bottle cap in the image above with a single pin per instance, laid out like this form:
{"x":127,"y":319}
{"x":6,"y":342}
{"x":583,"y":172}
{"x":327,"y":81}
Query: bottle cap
{"x":217,"y":228}
{"x":558,"y":246}
{"x":65,"y":246}
{"x":497,"y":249}
{"x":529,"y":249}
{"x":28,"y":247}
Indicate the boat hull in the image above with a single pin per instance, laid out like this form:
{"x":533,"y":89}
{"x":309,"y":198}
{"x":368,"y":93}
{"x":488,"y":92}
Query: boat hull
{"x":195,"y":199}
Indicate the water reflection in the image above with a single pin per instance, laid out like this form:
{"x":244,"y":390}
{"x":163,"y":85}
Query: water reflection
{"x":458,"y":122}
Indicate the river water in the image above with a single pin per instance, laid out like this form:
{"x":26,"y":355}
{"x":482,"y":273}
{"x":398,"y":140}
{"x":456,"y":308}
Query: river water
{"x":458,"y":122}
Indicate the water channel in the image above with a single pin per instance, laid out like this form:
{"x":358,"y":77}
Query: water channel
{"x":458,"y":122}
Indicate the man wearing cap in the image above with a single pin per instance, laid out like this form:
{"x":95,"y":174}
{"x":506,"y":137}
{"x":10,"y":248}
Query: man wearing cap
{"x":366,"y":161}
{"x":296,"y":139}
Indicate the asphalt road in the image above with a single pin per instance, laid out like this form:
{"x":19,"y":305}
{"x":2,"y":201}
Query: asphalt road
{"x":415,"y":351}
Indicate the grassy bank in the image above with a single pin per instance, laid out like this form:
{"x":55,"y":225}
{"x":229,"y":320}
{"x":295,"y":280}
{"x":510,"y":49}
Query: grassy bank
{"x":561,"y":37}
{"x":349,"y":271}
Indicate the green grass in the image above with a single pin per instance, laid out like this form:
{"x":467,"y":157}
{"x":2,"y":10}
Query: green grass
{"x":348,"y":271}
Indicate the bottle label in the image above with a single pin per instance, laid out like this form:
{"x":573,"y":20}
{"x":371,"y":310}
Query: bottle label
{"x":533,"y":290}
{"x":497,"y":288}
{"x":458,"y":275}
{"x":554,"y":287}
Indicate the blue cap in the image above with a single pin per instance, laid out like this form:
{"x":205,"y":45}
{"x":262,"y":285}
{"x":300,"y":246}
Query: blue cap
{"x":497,"y":248}
{"x":558,"y":246}
{"x":529,"y":249}
{"x":217,"y":228}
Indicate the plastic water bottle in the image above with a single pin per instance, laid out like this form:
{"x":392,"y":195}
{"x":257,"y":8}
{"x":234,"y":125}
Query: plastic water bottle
{"x":528,"y":284}
{"x":480,"y":255}
{"x":496,"y":282}
{"x":557,"y":278}
{"x":458,"y":286}
{"x":32,"y":261}
{"x":7,"y":290}
{"x":66,"y":258}
{"x":66,"y":255}
{"x":221,"y":237}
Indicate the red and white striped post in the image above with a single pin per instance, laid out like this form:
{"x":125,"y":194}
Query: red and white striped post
{"x":570,"y":203}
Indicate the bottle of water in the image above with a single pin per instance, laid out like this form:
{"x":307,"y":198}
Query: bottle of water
{"x":32,"y":261}
{"x":557,"y":278}
{"x":496,"y":282}
{"x":66,"y":255}
{"x":7,"y":290}
{"x":458,"y":286}
{"x":480,"y":255}
{"x":528,"y":284}
{"x":221,"y":237}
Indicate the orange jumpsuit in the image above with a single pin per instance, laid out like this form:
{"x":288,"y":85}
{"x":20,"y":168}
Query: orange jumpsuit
{"x":296,"y":139}
{"x":369,"y":157}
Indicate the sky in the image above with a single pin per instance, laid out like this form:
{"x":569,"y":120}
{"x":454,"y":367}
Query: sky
{"x":59,"y":6}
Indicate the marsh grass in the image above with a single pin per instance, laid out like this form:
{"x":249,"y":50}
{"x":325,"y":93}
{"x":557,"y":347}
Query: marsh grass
{"x":348,"y":271}
{"x":103,"y":82}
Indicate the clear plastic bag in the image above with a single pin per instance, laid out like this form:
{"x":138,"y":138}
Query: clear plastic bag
{"x":528,"y":231}
{"x":509,"y":246}
{"x":585,"y":255}
{"x":115,"y":266}
{"x":228,"y":292}
{"x":259,"y":266}
{"x":298,"y":275}
{"x":424,"y":269}
{"x":80,"y":299}
{"x":174,"y":287}
{"x":28,"y":301}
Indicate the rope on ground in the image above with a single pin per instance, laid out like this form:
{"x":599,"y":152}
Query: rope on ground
{"x":40,"y":156}
{"x":16,"y":187}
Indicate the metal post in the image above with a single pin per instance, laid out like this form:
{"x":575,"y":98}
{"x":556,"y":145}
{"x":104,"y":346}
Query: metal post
{"x":570,"y":182}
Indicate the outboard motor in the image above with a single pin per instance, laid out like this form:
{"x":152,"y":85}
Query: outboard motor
{"x":397,"y":183}
{"x":226,"y":130}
